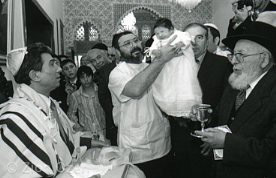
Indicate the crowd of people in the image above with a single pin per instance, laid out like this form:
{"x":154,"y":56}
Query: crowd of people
{"x":148,"y":103}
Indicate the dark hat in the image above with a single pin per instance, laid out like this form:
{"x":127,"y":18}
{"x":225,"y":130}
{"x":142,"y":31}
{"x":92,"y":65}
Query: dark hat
{"x":100,"y":46}
{"x":259,"y":32}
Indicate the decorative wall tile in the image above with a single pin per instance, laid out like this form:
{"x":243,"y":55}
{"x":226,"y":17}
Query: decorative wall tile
{"x":105,"y":15}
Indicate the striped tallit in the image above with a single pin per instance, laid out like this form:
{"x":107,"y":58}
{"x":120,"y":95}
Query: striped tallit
{"x":29,"y":147}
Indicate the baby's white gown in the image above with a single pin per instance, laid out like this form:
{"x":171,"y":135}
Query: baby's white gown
{"x":177,"y":89}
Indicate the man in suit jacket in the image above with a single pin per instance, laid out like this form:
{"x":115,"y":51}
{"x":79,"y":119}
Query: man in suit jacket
{"x":214,"y":70}
{"x":213,"y":75}
{"x":250,"y":150}
{"x":97,"y":55}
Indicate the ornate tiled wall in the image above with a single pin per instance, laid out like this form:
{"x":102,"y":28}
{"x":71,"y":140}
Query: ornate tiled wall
{"x":106,"y":14}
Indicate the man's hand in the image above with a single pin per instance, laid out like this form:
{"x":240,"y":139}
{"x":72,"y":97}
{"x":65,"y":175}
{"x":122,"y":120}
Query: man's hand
{"x":206,"y":149}
{"x":179,"y":44}
{"x":194,"y":111}
{"x":170,"y":51}
{"x":212,"y":136}
{"x":141,"y":82}
{"x":242,"y":14}
{"x":69,"y":89}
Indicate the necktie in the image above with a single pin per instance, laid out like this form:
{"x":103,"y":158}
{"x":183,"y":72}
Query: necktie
{"x":240,"y":99}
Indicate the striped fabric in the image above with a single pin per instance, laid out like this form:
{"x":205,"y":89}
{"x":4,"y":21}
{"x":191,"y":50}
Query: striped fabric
{"x":28,"y":147}
{"x":64,"y":136}
{"x":240,"y":98}
{"x":88,"y":109}
{"x":20,"y":138}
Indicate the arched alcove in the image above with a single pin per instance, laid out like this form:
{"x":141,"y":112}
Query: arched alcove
{"x":86,"y":35}
{"x":145,"y":19}
{"x":86,"y":31}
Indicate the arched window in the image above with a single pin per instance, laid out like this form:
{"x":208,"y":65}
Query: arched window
{"x":128,"y":23}
{"x":80,"y":34}
{"x":93,"y":34}
{"x":86,"y":32}
{"x":146,"y":32}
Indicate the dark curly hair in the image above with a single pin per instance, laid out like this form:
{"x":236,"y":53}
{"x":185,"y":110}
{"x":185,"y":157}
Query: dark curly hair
{"x":32,"y":61}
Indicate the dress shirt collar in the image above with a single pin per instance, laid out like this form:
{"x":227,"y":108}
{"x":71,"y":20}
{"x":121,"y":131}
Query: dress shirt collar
{"x":253,"y":84}
{"x":74,"y":81}
{"x":46,"y":99}
{"x":200,"y":59}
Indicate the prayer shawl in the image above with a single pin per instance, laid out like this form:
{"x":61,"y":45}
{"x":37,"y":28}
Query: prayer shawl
{"x":31,"y":145}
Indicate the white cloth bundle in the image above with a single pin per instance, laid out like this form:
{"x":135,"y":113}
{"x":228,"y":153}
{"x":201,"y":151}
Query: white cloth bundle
{"x":176,"y":89}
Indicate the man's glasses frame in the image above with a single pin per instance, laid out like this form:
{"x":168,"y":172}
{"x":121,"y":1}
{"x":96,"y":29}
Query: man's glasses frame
{"x":130,"y":42}
{"x":240,"y":57}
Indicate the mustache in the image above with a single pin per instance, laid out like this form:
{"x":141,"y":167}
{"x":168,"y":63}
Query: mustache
{"x":136,"y":49}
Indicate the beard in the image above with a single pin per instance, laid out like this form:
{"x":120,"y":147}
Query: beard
{"x":136,"y":52}
{"x":241,"y":81}
{"x":136,"y":55}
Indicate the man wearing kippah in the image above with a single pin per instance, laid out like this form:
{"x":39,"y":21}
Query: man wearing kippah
{"x":33,"y":147}
{"x":214,"y":40}
{"x":98,"y":55}
{"x":36,"y":135}
{"x":244,"y":143}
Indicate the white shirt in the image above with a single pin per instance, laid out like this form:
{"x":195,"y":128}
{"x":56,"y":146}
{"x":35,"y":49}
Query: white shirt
{"x":200,"y":59}
{"x":45,"y":99}
{"x":141,"y":125}
{"x":253,"y":84}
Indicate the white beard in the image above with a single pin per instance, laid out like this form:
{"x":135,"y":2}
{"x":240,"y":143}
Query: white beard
{"x":239,"y":81}
{"x":242,"y":80}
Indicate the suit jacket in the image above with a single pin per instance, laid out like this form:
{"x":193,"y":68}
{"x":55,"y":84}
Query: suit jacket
{"x":270,"y":7}
{"x":241,"y":29}
{"x":101,"y":77}
{"x":250,"y":150}
{"x":60,"y":94}
{"x":213,"y":77}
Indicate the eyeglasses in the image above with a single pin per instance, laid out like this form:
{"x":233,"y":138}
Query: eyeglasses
{"x":129,"y":43}
{"x":240,"y":57}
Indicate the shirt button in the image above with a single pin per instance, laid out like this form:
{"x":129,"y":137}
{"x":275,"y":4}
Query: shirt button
{"x":232,"y":118}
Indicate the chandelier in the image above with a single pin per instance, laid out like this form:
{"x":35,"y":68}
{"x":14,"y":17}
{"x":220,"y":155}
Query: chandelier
{"x":188,"y":4}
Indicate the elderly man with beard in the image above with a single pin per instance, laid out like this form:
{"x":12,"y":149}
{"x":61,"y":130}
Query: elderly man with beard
{"x":248,"y":107}
{"x":141,"y":125}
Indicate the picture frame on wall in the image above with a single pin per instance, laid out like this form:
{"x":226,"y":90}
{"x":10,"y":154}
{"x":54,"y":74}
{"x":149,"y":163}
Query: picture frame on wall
{"x":39,"y":27}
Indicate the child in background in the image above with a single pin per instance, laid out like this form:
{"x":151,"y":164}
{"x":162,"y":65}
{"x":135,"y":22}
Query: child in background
{"x":176,"y":89}
{"x":85,"y":103}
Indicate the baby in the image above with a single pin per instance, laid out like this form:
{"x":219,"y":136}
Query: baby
{"x":176,"y":89}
